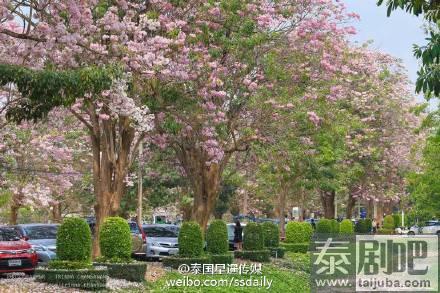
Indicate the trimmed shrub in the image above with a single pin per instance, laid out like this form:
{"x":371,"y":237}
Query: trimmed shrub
{"x":346,"y":227}
{"x":296,"y":247}
{"x":334,"y":226}
{"x":271,"y":234}
{"x":277,"y":252}
{"x":115,"y":240}
{"x":217,"y":238}
{"x":134,"y":271}
{"x":90,"y":279}
{"x":254,"y":255}
{"x":397,"y":220}
{"x":298,"y":232}
{"x":226,"y":258}
{"x":324,"y":226}
{"x":74,"y":241}
{"x":368,"y":225}
{"x":253,"y":237}
{"x":175,"y":261}
{"x":362,"y":226}
{"x":384,"y":231}
{"x":190,"y":240}
{"x":388,"y":222}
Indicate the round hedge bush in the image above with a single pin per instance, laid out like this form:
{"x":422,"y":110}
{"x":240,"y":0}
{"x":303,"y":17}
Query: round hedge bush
{"x":253,"y":238}
{"x":397,"y":220}
{"x":324,"y":226}
{"x":335,"y":226}
{"x":368,"y":225}
{"x":115,"y":239}
{"x":190,"y":240}
{"x":307,"y":231}
{"x":362,"y":226}
{"x":74,"y":241}
{"x":346,"y":227}
{"x":388,"y":222}
{"x":217,"y":237}
{"x":298,"y":232}
{"x":271,"y":234}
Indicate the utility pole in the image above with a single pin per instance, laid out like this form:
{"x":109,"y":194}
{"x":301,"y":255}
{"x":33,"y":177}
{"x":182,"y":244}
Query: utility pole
{"x":139,"y":209}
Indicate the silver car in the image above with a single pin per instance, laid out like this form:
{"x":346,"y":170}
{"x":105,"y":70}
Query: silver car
{"x":162,"y":240}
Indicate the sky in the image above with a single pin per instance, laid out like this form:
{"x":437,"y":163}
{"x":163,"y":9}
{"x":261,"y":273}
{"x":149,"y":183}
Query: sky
{"x":394,"y":35}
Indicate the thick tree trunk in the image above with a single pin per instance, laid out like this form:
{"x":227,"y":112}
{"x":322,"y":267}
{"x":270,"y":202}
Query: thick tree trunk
{"x":350,"y":206}
{"x":280,"y":210}
{"x":13,"y":215}
{"x":56,"y":213}
{"x":328,"y":203}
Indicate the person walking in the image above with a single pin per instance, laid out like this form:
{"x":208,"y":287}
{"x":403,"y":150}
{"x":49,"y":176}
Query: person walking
{"x":238,"y":236}
{"x":374,"y":226}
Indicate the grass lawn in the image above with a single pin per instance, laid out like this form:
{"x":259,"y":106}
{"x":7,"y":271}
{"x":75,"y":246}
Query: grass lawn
{"x":283,"y":280}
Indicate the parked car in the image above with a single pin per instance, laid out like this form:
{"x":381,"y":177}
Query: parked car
{"x":16,"y":255}
{"x":162,"y":240}
{"x":42,"y":237}
{"x":431,"y":227}
{"x":231,"y":229}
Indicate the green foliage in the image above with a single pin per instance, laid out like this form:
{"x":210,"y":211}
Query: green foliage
{"x":324,"y":226}
{"x":190,"y":240}
{"x":69,"y":265}
{"x":44,"y":90}
{"x":298,"y":232}
{"x":277,"y":252}
{"x":175,"y":262}
{"x":74,"y":240}
{"x":385,"y":231}
{"x":346,"y":227}
{"x":363,"y":226}
{"x":271,"y":234}
{"x":253,"y":255}
{"x":368,"y":225}
{"x":253,"y":238}
{"x":334,"y":226}
{"x":296,"y":247}
{"x":89,"y":278}
{"x":217,"y":237}
{"x":388,"y":222}
{"x":133,"y":272}
{"x":226,"y":258}
{"x":115,"y":239}
{"x":397,"y":219}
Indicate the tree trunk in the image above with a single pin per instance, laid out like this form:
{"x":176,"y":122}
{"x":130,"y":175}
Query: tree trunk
{"x":350,"y":205}
{"x":14,"y":215}
{"x":328,"y":203}
{"x":281,"y":209}
{"x":56,"y":213}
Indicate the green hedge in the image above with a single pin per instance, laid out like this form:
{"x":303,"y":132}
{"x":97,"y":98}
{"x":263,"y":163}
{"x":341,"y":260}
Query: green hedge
{"x":385,"y":231}
{"x":253,"y":237}
{"x":134,"y":272}
{"x":368,"y":225}
{"x":190,"y":240}
{"x":226,"y":258}
{"x":334,"y":226}
{"x":296,"y":247}
{"x":298,"y":232}
{"x":90,"y":279}
{"x":217,"y":238}
{"x":115,"y":240}
{"x":74,"y":241}
{"x":277,"y":252}
{"x":397,"y":219}
{"x":324,"y":226}
{"x":254,"y":255}
{"x":362,"y":226}
{"x":271,"y":234}
{"x":388,"y":222}
{"x":346,"y":227}
{"x":175,"y":261}
{"x":68,"y":264}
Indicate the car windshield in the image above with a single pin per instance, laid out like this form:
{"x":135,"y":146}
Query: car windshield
{"x":41,"y":232}
{"x":161,"y":232}
{"x":431,"y":223}
{"x":8,"y":235}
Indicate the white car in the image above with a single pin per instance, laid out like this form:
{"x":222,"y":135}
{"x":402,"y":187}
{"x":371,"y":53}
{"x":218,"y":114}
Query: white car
{"x":431,"y":227}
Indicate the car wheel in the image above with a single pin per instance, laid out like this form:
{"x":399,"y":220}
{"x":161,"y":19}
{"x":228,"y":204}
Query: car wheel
{"x":411,"y":233}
